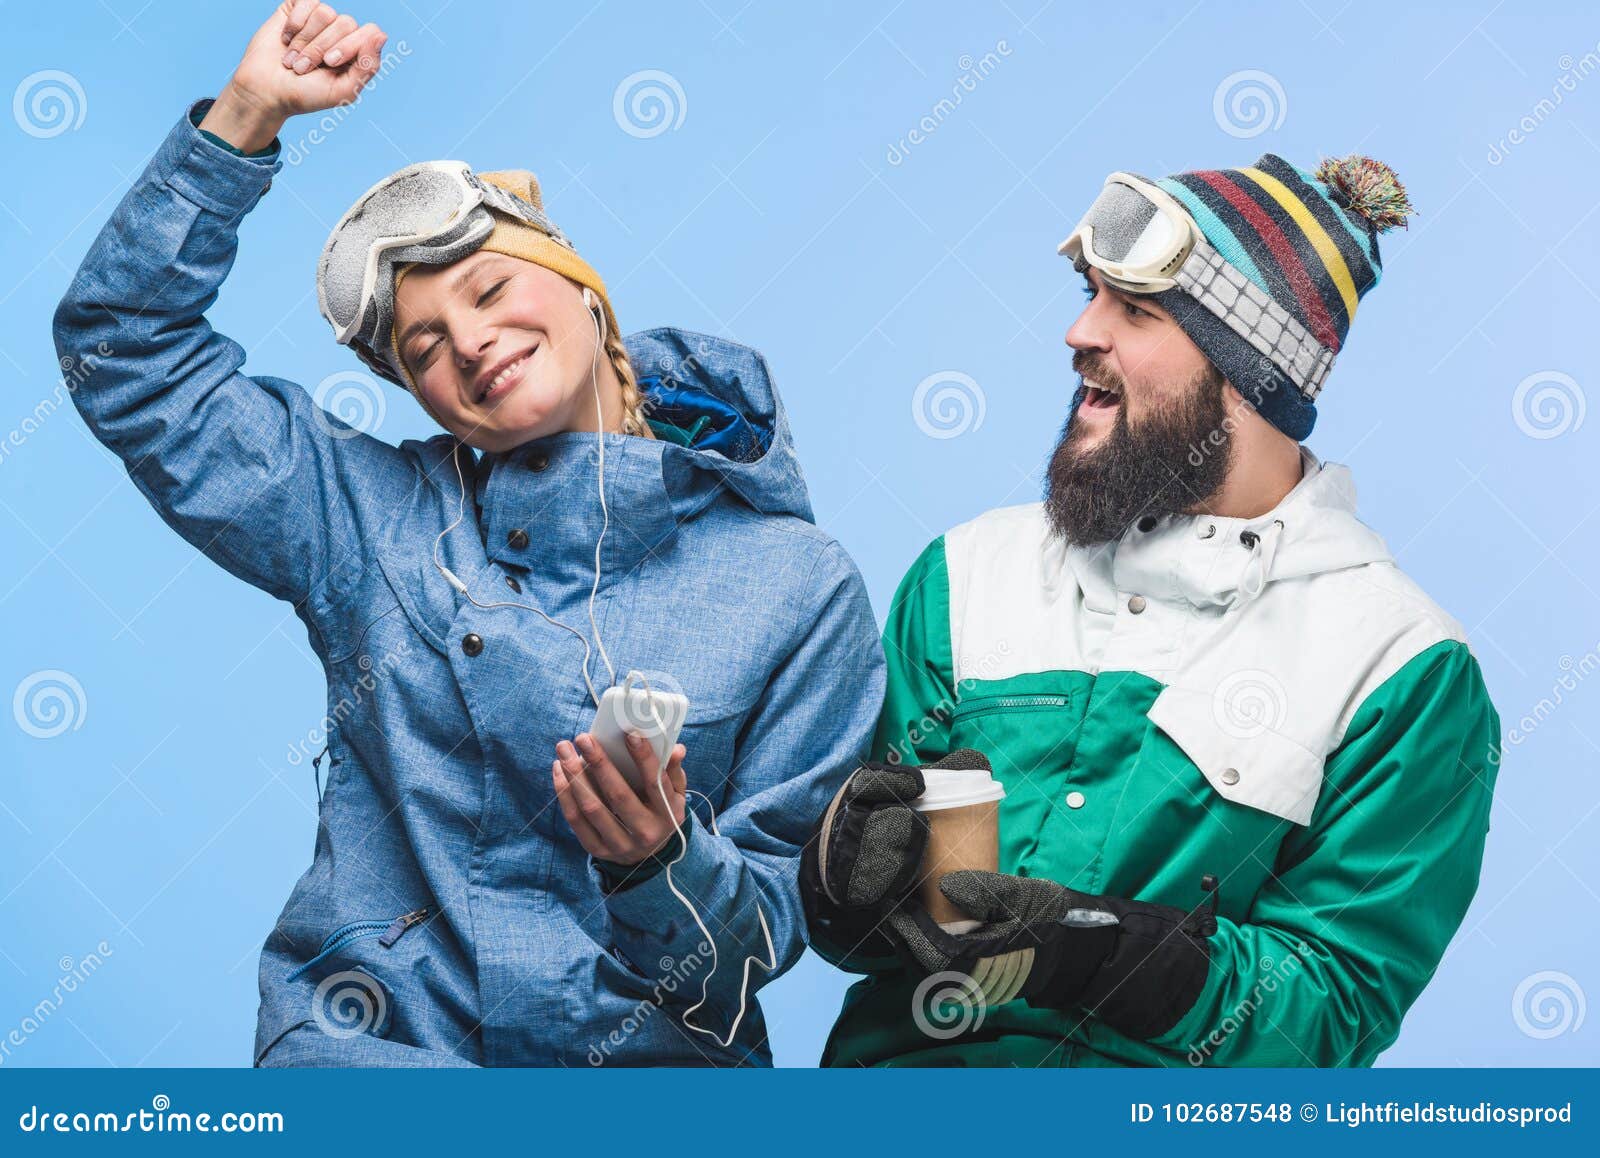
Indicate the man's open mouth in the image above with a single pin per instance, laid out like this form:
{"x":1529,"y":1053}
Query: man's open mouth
{"x":1098,"y":397}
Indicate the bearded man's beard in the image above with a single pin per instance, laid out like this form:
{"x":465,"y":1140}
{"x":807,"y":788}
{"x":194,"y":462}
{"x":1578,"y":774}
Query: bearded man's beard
{"x":1170,"y":461}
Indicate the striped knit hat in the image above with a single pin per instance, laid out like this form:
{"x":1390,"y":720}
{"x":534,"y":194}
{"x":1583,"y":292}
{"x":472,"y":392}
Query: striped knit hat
{"x":1308,"y":241}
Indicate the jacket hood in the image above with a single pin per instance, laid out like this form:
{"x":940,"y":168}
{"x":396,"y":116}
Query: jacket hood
{"x":757,"y":464}
{"x":1321,"y":531}
{"x":547,"y":486}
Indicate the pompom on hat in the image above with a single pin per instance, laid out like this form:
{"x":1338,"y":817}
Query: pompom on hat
{"x":1309,"y":241}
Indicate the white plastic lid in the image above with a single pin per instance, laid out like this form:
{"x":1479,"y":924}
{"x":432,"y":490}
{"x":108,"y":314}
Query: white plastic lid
{"x":957,"y":788}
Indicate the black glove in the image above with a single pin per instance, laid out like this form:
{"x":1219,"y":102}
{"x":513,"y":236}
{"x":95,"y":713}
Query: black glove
{"x":1139,"y":967}
{"x":865,"y":857}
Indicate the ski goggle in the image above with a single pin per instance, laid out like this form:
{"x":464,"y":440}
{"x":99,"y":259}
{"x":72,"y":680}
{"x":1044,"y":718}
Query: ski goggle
{"x":1142,"y":241}
{"x":434,"y":212}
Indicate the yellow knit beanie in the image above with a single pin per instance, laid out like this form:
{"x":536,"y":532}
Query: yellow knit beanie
{"x":516,"y":238}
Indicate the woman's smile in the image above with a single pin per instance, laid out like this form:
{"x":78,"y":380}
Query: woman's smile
{"x":500,"y":380}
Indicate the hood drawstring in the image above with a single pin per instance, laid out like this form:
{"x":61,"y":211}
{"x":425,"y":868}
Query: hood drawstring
{"x":1263,"y":546}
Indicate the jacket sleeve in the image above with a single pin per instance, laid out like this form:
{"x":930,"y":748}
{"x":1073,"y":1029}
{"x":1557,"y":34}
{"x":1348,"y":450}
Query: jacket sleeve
{"x":251,"y":471}
{"x":809,"y":729}
{"x":913,"y":728}
{"x":1366,"y":898}
{"x":920,"y":694}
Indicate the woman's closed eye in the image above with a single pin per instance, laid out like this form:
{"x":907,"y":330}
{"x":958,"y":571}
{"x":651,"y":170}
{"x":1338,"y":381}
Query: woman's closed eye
{"x":423,"y":356}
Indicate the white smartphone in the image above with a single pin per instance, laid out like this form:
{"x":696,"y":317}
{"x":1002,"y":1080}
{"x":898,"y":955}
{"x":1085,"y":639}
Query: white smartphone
{"x":651,"y":712}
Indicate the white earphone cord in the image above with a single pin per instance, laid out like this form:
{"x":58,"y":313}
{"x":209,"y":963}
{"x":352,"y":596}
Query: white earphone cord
{"x":771,"y":962}
{"x":605,"y":524}
{"x":598,"y":317}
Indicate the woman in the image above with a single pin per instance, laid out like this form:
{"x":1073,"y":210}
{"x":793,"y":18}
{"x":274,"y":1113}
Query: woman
{"x":486,"y":887}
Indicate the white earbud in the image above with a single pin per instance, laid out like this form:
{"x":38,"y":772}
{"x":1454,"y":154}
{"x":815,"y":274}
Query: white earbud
{"x":590,"y":298}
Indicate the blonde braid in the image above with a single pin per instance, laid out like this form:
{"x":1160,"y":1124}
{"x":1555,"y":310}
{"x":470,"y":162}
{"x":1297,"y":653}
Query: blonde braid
{"x":632,"y":398}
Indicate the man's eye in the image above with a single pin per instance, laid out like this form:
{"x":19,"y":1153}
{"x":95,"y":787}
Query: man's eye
{"x":1134,"y":311}
{"x":425,"y":355}
{"x":492,"y":290}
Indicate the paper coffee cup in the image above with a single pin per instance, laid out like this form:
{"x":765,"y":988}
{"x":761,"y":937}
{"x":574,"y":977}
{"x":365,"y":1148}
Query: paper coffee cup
{"x":963,"y":811}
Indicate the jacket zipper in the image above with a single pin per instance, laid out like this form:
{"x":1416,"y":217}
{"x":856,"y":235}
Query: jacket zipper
{"x":387,"y":932}
{"x":1001,"y":703}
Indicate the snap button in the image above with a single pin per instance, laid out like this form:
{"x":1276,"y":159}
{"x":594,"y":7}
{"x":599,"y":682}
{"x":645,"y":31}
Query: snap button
{"x":1148,"y":523}
{"x":1230,"y":775}
{"x":511,"y":582}
{"x":472,"y":643}
{"x":1074,"y":800}
{"x":517,"y":539}
{"x":538,"y":460}
{"x":1136,"y":604}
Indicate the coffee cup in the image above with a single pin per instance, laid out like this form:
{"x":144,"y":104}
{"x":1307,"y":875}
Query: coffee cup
{"x":963,"y":811}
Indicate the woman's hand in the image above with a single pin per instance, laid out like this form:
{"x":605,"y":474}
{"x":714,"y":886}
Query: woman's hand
{"x":610,"y":819}
{"x":305,"y":58}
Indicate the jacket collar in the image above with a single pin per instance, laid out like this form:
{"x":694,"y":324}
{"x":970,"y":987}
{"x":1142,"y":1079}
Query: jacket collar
{"x":1209,"y":560}
{"x":539,"y":506}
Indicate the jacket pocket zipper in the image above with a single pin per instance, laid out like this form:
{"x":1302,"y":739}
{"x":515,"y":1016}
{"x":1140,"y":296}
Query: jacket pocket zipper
{"x":387,"y":932}
{"x":985,"y":704}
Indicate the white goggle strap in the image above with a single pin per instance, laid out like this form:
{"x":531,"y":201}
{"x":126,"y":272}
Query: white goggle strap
{"x":497,"y":198}
{"x":1276,"y":334}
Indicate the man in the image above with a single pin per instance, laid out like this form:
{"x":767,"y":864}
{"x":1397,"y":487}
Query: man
{"x":1247,"y":762}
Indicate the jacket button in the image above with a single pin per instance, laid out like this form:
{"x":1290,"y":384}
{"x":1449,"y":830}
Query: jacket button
{"x":538,"y":460}
{"x":1230,"y":775}
{"x":511,"y":582}
{"x":472,"y":643}
{"x":1074,"y":800}
{"x":1136,"y":604}
{"x":1148,"y":523}
{"x":517,"y":539}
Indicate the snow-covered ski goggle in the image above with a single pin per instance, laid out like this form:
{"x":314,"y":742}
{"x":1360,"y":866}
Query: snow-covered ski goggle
{"x":1143,"y":242}
{"x":434,"y":212}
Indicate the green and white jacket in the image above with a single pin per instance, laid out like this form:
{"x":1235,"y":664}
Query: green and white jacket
{"x":1268,"y":700}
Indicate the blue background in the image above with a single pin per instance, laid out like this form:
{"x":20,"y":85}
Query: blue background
{"x":786,"y":211}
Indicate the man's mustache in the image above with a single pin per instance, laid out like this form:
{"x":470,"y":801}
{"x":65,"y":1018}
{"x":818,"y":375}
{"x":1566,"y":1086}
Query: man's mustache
{"x":1087,"y":365}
